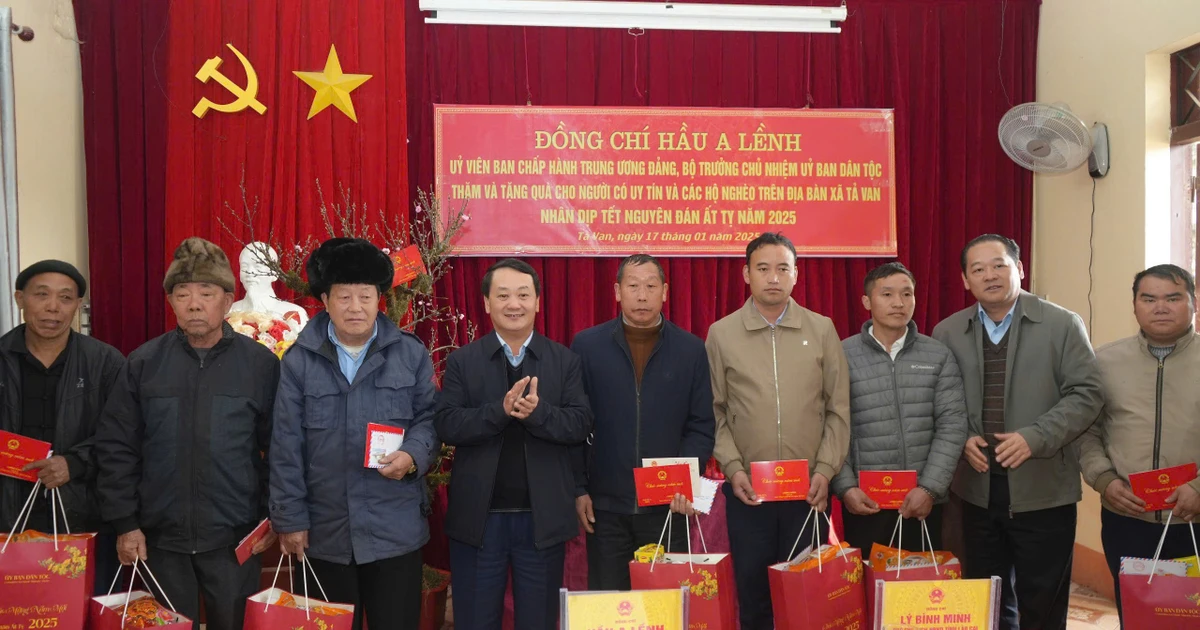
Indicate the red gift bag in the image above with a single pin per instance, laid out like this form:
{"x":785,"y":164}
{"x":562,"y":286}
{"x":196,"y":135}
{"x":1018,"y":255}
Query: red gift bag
{"x":709,"y":578}
{"x":824,"y":598}
{"x":45,"y":579}
{"x":950,"y":569}
{"x":277,"y":609}
{"x":1162,"y":602}
{"x":134,"y":608}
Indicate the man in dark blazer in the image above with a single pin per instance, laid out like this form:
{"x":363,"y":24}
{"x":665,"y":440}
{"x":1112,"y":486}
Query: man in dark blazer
{"x":512,"y":404}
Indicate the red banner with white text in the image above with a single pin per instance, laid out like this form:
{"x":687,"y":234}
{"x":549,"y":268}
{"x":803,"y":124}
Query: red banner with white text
{"x":563,"y":181}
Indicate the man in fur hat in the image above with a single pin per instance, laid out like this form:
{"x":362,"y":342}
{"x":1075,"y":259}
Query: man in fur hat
{"x":360,"y":525}
{"x":180,"y":445}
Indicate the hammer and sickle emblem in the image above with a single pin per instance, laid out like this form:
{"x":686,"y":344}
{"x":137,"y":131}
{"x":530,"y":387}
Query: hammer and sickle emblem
{"x":1164,"y":479}
{"x":245,"y":97}
{"x":662,"y":475}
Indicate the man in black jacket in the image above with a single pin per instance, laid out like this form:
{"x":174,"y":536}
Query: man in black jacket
{"x":648,"y":383}
{"x":181,"y":445}
{"x":55,"y":383}
{"x":512,"y":403}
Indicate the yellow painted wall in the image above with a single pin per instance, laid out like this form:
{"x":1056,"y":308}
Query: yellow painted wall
{"x":1108,"y":60}
{"x":50,"y":159}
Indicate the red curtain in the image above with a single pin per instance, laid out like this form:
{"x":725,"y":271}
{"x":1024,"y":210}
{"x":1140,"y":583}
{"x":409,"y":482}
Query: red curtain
{"x":157,"y":174}
{"x":944,"y":65}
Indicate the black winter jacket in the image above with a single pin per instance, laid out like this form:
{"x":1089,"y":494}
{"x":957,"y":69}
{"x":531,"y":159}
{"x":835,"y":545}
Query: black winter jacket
{"x":182,"y":442}
{"x":88,"y":376}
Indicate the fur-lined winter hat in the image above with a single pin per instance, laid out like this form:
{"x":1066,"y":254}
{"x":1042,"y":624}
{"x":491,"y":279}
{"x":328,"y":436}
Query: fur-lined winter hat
{"x":197,"y":260}
{"x":348,"y":261}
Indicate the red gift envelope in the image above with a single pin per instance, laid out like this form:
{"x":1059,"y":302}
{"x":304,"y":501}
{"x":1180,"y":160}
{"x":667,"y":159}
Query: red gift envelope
{"x":18,"y":451}
{"x":382,"y":440}
{"x":780,"y":481}
{"x":658,"y":485}
{"x":245,"y":549}
{"x":406,"y":265}
{"x":1154,"y":486}
{"x":887,"y":487}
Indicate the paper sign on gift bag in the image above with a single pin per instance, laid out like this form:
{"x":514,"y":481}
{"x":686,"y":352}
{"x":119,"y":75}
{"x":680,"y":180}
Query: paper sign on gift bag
{"x":940,"y":604}
{"x":785,"y":480}
{"x":660,"y":609}
{"x":1154,"y":486}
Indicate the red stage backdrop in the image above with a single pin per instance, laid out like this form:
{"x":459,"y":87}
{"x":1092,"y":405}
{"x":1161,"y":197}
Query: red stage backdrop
{"x":561,"y":181}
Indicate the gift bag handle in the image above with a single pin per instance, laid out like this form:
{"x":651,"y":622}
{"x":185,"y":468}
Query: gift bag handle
{"x":1163,"y":538}
{"x":666,"y":526}
{"x":308,"y":570}
{"x":129,"y":593}
{"x":22,"y":520}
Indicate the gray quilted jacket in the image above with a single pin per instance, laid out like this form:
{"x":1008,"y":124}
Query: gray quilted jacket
{"x":904,"y":415}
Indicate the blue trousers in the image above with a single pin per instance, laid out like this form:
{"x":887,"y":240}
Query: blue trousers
{"x":479,"y":576}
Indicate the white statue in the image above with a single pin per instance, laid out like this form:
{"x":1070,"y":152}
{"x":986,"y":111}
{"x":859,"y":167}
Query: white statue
{"x":260,"y":297}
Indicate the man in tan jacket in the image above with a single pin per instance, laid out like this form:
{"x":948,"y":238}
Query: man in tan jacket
{"x":780,"y":391}
{"x":1149,"y":419}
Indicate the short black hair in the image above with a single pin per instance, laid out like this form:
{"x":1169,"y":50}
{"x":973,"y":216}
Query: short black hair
{"x":886,"y":270}
{"x":1014,"y":250}
{"x":1174,"y":273}
{"x":640,"y":259}
{"x":519,"y":266}
{"x":769,"y":238}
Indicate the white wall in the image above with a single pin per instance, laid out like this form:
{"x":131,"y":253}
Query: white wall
{"x":50,"y":160}
{"x":1108,"y":60}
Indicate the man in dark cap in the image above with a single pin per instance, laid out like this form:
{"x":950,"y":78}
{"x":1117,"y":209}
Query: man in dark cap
{"x":361,"y":525}
{"x":56,"y":381}
{"x":180,"y":445}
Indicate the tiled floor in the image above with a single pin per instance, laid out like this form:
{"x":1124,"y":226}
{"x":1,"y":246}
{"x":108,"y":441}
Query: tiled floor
{"x":1091,"y":611}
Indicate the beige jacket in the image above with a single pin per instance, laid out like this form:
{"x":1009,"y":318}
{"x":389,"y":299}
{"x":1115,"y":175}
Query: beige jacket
{"x":1149,"y":419}
{"x":779,"y":392}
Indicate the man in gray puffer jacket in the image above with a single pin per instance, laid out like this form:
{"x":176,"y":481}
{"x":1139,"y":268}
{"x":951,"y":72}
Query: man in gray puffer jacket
{"x":907,"y":412}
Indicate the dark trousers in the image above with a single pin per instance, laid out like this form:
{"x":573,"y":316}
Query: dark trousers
{"x":387,"y":592}
{"x":610,"y":549}
{"x":1125,"y":537}
{"x":760,"y":536}
{"x":1030,"y":551}
{"x":216,"y":575}
{"x":106,"y":562}
{"x":479,"y":576}
{"x":864,"y":531}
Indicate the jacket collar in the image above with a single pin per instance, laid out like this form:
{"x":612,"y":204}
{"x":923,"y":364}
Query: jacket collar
{"x":1180,"y":344}
{"x":490,"y":343}
{"x":227,"y":336}
{"x":1029,"y":306}
{"x":316,"y":334}
{"x":909,"y":339}
{"x":14,"y":341}
{"x":753,"y":320}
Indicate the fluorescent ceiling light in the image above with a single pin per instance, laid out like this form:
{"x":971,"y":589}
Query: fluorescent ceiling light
{"x":644,"y":15}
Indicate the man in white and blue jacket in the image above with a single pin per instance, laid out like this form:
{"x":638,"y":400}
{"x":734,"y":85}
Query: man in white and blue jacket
{"x":361,"y":529}
{"x":650,"y":391}
{"x":907,"y":412}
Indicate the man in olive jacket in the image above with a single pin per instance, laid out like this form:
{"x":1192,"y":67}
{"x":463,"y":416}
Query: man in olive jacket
{"x":1032,"y":386}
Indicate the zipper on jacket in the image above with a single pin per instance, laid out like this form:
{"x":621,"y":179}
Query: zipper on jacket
{"x":637,"y":389}
{"x":778,"y":406}
{"x":192,"y":460}
{"x":1158,"y":391}
{"x":899,"y":418}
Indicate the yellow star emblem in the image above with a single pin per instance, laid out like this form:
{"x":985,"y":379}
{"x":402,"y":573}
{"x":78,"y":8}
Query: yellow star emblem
{"x":332,"y":86}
